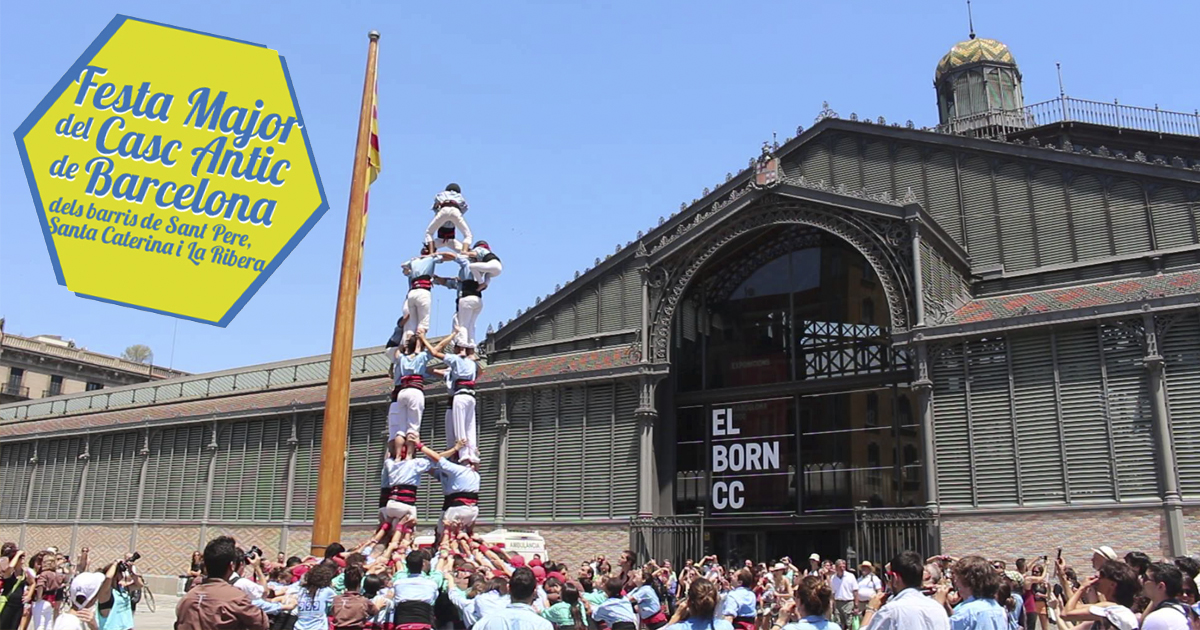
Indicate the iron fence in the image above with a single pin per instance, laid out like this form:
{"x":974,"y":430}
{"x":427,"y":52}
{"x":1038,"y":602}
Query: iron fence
{"x":880,"y":534}
{"x":1067,"y":109}
{"x":674,"y":538}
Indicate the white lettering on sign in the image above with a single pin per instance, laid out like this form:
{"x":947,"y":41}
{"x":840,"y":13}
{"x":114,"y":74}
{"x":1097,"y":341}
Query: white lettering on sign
{"x":723,"y":422}
{"x":728,"y":495}
{"x":746,"y":455}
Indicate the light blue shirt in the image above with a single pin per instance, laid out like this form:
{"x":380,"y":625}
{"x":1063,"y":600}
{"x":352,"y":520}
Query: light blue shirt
{"x":461,"y":368}
{"x":647,"y":601}
{"x":456,"y":478}
{"x":415,"y":588}
{"x":464,"y":604}
{"x":312,"y":612}
{"x":411,"y":364}
{"x":490,"y":603}
{"x":740,"y":602}
{"x":979,"y":614}
{"x":812,"y":622}
{"x":615,"y":609}
{"x":421,"y":266}
{"x":701,"y":624}
{"x":404,"y":472}
{"x":514,"y":617}
{"x":120,"y":616}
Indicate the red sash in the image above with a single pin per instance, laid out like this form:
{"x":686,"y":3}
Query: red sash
{"x":415,"y":381}
{"x":421,"y":282}
{"x":743,"y":623}
{"x":657,"y":620}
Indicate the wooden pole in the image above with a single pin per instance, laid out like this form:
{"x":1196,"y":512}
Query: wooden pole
{"x":331,"y":482}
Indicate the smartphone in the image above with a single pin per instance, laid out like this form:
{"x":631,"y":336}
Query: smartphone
{"x":1060,"y":553}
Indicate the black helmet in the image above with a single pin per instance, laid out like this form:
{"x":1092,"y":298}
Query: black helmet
{"x":454,"y":188}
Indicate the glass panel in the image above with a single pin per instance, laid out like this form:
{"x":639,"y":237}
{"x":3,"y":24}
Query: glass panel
{"x":848,"y":461}
{"x":753,"y":457}
{"x":691,"y":462}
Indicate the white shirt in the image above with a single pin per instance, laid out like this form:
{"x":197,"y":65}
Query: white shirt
{"x":844,"y":587}
{"x":868,"y":585}
{"x":910,"y":610}
{"x":68,"y":621}
{"x":252,"y":589}
{"x":1166,"y":618}
{"x":515,"y":616}
{"x":1119,"y":616}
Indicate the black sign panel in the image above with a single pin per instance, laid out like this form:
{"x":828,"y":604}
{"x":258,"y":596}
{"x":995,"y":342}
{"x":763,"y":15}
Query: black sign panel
{"x":752,"y":457}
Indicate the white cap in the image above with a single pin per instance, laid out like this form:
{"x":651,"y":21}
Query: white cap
{"x":1106,"y":551}
{"x":779,"y":566}
{"x":815,"y":557}
{"x":84,"y":587}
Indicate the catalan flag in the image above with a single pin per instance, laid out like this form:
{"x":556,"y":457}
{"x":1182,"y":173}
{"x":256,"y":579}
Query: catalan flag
{"x":373,"y":168}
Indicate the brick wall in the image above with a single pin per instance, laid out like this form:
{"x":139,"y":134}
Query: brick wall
{"x":1191,"y":529}
{"x":572,"y":544}
{"x":1030,"y":534}
{"x":10,"y":532}
{"x":166,"y":549}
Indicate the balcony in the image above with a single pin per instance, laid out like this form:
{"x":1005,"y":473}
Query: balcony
{"x":1065,"y":109}
{"x":15,"y":390}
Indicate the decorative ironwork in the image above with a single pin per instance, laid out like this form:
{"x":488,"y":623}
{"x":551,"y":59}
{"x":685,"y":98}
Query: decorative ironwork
{"x":867,"y":235}
{"x":825,"y":112}
{"x":881,"y":534}
{"x":676,"y":538}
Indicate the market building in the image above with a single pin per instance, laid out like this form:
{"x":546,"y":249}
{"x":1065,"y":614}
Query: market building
{"x":982,"y":336}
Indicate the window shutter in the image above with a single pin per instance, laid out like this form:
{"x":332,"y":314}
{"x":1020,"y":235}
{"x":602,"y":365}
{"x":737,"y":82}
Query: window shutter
{"x":1174,"y":223}
{"x":520,"y":454}
{"x":364,"y":455}
{"x":273,"y":472}
{"x":991,"y":422}
{"x":951,"y":428}
{"x":1016,"y":218}
{"x":1129,"y":406}
{"x":1050,"y":218}
{"x":585,"y":310}
{"x":1181,"y":348}
{"x":569,"y":471}
{"x":542,"y":328}
{"x":610,"y":303}
{"x":845,"y":164}
{"x":1086,"y":429}
{"x":981,"y":212}
{"x":633,"y":298}
{"x":232,"y":439}
{"x":816,"y":164}
{"x":57,"y":485}
{"x":487,"y":416}
{"x":600,"y":459}
{"x":308,"y":464}
{"x":626,"y":448}
{"x":1127,"y":205}
{"x":877,"y":168}
{"x":1089,"y":215}
{"x":112,"y":483}
{"x":943,"y":194}
{"x":908,"y":175}
{"x":1037,"y":422}
{"x":543,"y":461}
{"x":14,"y":478}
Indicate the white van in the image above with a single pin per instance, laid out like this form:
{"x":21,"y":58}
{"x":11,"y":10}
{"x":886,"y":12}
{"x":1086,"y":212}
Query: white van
{"x":525,"y":543}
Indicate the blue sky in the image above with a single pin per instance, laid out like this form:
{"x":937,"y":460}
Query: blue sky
{"x":570,"y":126}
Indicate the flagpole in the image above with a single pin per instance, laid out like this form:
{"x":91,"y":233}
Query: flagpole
{"x":327,"y":519}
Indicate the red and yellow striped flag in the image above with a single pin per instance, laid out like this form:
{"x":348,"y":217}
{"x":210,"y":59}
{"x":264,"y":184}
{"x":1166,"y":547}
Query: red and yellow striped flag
{"x":373,"y":168}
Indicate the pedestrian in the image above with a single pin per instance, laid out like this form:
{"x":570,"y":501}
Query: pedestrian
{"x":845,"y":589}
{"x":868,"y":585}
{"x":699,"y":610}
{"x":808,"y":606}
{"x":977,"y":583}
{"x":907,"y":608}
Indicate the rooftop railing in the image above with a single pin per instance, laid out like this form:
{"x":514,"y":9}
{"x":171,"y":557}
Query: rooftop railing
{"x":255,"y":378}
{"x":1066,"y":109}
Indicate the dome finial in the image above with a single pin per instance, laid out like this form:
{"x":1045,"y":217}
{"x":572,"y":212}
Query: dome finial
{"x":970,"y":20}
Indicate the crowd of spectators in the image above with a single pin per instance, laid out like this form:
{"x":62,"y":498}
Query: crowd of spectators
{"x":395,"y":584}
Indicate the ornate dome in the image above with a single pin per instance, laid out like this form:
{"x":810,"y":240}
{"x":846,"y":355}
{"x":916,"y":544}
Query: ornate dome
{"x":971,"y":51}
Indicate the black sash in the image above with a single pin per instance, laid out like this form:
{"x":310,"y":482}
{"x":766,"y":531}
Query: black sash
{"x":455,"y":499}
{"x":413,"y":612}
{"x":403,"y":493}
{"x":470,"y":287}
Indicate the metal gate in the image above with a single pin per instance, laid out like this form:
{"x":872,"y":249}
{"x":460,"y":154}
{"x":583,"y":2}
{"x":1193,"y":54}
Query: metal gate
{"x":880,"y":534}
{"x":674,"y":538}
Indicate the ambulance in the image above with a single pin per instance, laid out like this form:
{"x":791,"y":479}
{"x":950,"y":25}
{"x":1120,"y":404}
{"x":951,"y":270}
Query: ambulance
{"x":525,"y":543}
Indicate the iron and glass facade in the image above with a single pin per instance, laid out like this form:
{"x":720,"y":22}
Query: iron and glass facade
{"x":871,"y":326}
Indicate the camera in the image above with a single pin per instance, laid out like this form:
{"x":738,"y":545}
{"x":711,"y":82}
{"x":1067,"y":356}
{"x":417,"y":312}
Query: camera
{"x":251,"y":553}
{"x":123,"y":566}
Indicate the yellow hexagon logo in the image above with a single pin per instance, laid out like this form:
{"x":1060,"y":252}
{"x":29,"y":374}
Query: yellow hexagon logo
{"x":171,"y":170}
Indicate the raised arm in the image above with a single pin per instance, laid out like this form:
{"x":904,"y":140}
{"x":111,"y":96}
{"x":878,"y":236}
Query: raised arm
{"x":434,"y":351}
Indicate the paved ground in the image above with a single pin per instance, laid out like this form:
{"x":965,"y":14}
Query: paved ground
{"x":162,"y":619}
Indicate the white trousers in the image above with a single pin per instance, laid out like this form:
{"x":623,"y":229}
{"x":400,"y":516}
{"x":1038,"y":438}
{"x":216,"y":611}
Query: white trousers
{"x":461,"y":515}
{"x":416,"y":306}
{"x":485,"y":271}
{"x":469,"y":308}
{"x":404,"y":415}
{"x":453,"y":216}
{"x":396,"y":510}
{"x":43,"y":616}
{"x":460,"y":423}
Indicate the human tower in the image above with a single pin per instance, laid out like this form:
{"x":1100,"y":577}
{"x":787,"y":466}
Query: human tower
{"x":457,"y":468}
